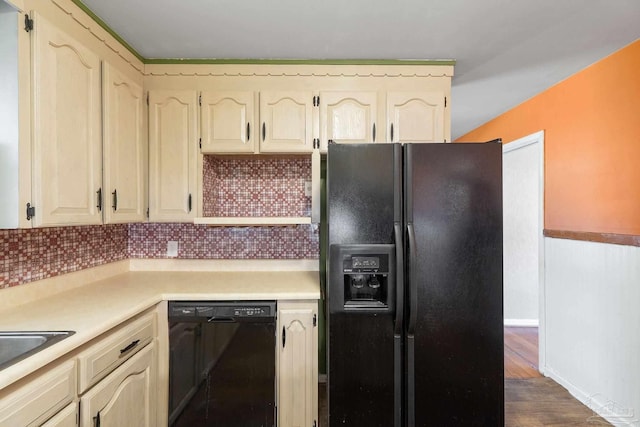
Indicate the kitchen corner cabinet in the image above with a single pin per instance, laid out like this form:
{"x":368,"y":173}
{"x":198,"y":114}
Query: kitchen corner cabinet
{"x":126,"y":397}
{"x":125,"y":148}
{"x":417,"y":117}
{"x":67,"y":129}
{"x":173,"y":155}
{"x":348,"y":117}
{"x":297,"y":358}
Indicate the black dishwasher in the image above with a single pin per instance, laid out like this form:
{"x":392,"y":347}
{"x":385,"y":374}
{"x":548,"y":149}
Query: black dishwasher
{"x":222,"y":363}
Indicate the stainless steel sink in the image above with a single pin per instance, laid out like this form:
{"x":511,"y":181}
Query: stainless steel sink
{"x":16,"y":346}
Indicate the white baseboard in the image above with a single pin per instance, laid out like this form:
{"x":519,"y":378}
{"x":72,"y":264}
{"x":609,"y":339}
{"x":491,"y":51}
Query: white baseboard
{"x":521,"y":322}
{"x":605,"y":408}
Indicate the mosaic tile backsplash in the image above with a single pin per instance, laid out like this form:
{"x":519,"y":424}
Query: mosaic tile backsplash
{"x":33,"y":254}
{"x":256,"y":186}
{"x":250,"y":186}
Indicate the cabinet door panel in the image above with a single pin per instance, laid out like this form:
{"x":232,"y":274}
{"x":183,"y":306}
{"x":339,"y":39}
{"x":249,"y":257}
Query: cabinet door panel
{"x":348,"y":117}
{"x":68,"y":417}
{"x":297,"y":363}
{"x":227,"y":122}
{"x":67,"y":157}
{"x":415,"y":116}
{"x":125,"y":398}
{"x":286,"y":122}
{"x":124,"y":148}
{"x":172,"y":155}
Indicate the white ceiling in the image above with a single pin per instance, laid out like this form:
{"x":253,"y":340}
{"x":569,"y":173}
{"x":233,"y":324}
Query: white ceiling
{"x":506,"y":50}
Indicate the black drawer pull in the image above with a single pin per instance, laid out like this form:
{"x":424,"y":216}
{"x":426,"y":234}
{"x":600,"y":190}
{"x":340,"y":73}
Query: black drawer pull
{"x":284,"y":336}
{"x":129,"y":347}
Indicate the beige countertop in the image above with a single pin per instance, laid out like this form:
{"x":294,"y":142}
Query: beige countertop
{"x":92,"y":307}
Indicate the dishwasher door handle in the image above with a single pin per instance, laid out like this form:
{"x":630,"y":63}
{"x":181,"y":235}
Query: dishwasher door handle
{"x":214,"y":319}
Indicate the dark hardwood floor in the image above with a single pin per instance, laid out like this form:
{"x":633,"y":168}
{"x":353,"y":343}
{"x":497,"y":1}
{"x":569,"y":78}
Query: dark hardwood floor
{"x":531,"y":400}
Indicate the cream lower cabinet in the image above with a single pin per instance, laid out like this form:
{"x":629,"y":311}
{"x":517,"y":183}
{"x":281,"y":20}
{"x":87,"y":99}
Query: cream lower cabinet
{"x":125,"y":397}
{"x":417,"y":117}
{"x":173,"y":155}
{"x":67,"y":129}
{"x":348,"y":117}
{"x":297,"y":359}
{"x":68,"y":417}
{"x":41,"y":399}
{"x":125,"y":148}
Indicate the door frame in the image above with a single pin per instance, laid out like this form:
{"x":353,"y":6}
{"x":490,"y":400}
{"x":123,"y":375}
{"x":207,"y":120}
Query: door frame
{"x":537,"y":138}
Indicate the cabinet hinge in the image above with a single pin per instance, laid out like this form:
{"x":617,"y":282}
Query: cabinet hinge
{"x":315,"y":320}
{"x":200,"y":142}
{"x":314,"y":423}
{"x":28,"y":23}
{"x":445,"y":102}
{"x":31,"y":211}
{"x":147,"y":213}
{"x":200,"y":100}
{"x":314,"y":100}
{"x":147,"y":98}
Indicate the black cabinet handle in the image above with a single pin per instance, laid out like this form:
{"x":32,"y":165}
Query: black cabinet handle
{"x":374,"y":132}
{"x":248,"y":131}
{"x":391,"y":132}
{"x":99,"y":193}
{"x":264,"y":131}
{"x":115,"y":200}
{"x":284,"y":336}
{"x":96,"y":419}
{"x":189,"y":202}
{"x":129,"y":347}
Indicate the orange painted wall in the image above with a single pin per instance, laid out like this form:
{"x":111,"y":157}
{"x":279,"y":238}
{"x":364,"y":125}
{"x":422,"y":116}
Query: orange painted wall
{"x":592,"y":145}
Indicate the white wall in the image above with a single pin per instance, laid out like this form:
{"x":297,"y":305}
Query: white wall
{"x":8,"y":116}
{"x":592,"y":299}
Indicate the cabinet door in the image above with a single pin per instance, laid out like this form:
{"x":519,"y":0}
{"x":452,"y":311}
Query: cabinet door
{"x":348,"y":117}
{"x":227,"y":122}
{"x":173,"y":155}
{"x":67,"y":136}
{"x":125,"y":151}
{"x":68,"y":417}
{"x":286,"y":122}
{"x":297,"y":363}
{"x":416,"y":116}
{"x":126,"y":397}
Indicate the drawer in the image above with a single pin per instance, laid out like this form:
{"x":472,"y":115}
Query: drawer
{"x":114,"y":349}
{"x":38,"y":399}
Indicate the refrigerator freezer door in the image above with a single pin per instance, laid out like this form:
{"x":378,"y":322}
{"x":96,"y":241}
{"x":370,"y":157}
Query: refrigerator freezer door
{"x":453,"y":214}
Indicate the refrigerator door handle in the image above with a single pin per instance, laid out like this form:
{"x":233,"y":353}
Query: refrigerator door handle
{"x":412,"y":285}
{"x":397,"y":236}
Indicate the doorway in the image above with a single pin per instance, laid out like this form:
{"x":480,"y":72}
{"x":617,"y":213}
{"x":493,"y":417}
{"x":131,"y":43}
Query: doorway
{"x":523,"y":210}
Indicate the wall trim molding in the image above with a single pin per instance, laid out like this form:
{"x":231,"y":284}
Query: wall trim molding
{"x":603,"y":408}
{"x":586,"y":236}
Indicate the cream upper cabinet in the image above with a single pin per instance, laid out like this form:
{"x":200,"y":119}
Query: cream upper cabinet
{"x":416,"y":116}
{"x":297,"y":363}
{"x":125,"y":148}
{"x":286,"y":123}
{"x":227,"y":122}
{"x":173,"y":155}
{"x":67,"y":129}
{"x":126,"y":397}
{"x":348,"y":117}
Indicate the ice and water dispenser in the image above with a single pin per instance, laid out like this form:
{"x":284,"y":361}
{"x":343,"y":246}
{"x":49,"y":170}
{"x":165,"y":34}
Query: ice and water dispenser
{"x":362,"y":277}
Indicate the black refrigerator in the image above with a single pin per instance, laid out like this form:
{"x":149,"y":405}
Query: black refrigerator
{"x":414,"y":293}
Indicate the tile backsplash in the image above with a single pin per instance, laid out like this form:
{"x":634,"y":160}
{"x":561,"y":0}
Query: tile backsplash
{"x":256,"y":186}
{"x":33,"y":254}
{"x":243,"y":186}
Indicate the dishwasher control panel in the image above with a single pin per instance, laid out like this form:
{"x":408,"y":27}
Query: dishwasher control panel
{"x":212,"y":310}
